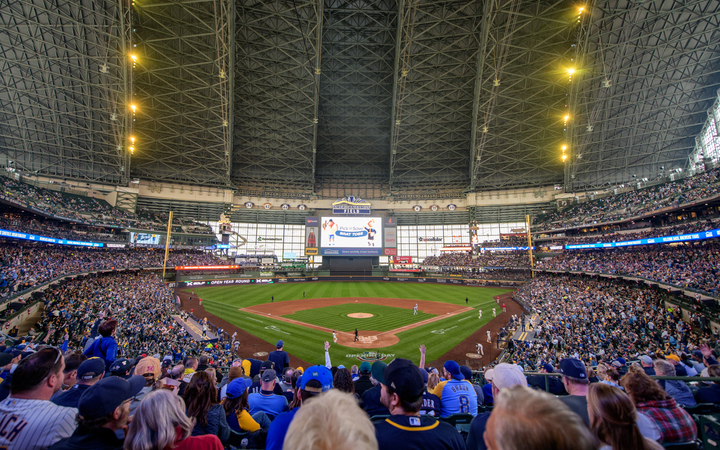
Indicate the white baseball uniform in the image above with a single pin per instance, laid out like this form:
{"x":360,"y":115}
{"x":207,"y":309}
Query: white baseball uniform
{"x":34,"y":424}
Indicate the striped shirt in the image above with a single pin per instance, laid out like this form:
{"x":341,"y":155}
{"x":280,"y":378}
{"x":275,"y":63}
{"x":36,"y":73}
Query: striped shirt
{"x":34,"y":424}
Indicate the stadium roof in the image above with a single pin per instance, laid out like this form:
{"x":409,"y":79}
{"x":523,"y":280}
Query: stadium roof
{"x":410,"y":96}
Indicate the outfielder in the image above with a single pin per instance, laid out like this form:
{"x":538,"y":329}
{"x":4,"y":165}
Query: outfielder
{"x":494,"y":313}
{"x":415,"y":309}
{"x":480,"y":314}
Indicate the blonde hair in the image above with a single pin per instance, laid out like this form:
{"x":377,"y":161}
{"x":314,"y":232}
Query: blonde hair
{"x":433,"y":381}
{"x":330,"y":421}
{"x":526,"y":418}
{"x":153,"y":426}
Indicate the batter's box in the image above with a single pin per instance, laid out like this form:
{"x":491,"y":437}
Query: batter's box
{"x":367,"y":339}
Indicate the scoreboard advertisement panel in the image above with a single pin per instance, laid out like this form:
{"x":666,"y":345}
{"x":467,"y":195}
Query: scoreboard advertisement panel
{"x":351,"y":236}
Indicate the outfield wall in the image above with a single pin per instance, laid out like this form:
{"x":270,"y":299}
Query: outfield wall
{"x":280,"y":280}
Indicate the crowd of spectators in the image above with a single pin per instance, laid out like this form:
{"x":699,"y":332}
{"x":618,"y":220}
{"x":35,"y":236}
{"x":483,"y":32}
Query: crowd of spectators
{"x":464,"y":262}
{"x":692,"y":266}
{"x":645,"y":233}
{"x":596,"y":320}
{"x":92,"y":210}
{"x":25,"y":266}
{"x":58,"y":229}
{"x":634,"y":203}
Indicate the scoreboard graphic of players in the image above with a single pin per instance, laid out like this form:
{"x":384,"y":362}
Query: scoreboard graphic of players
{"x":354,"y":236}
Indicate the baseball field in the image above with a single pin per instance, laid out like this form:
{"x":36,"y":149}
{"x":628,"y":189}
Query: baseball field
{"x":304,"y":315}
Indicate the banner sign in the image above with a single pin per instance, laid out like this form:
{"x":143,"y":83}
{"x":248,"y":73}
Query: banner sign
{"x":351,"y":205}
{"x":504,"y":249}
{"x":409,"y":278}
{"x":650,"y":241}
{"x":205,"y":267}
{"x":47,"y":240}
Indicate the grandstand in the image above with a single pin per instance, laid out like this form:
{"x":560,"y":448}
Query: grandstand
{"x":512,"y":186}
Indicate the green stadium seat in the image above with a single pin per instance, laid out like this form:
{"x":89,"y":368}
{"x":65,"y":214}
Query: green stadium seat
{"x":461,"y":422}
{"x":681,"y":446}
{"x":710,"y":432}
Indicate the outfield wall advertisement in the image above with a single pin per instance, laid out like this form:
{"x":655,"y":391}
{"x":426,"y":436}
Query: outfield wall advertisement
{"x":469,"y":282}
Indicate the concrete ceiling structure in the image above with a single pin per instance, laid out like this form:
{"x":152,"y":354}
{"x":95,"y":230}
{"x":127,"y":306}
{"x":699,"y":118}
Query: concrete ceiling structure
{"x":278,"y":97}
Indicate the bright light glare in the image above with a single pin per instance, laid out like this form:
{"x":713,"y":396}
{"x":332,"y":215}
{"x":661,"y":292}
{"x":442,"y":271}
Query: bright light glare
{"x":571,"y":71}
{"x":133,"y":57}
{"x":564,"y":147}
{"x":133,"y":107}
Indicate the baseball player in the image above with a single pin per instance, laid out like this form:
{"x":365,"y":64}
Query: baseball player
{"x":488,"y":335}
{"x":504,"y":308}
{"x":480,"y":314}
{"x":334,"y":337}
{"x":480,"y":350}
{"x":371,"y":233}
{"x":494,"y":313}
{"x":415,"y":309}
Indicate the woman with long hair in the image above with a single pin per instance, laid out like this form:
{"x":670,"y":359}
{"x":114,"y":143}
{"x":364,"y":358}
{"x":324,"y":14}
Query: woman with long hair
{"x":201,"y":402}
{"x":160,"y":423}
{"x":673,"y":422}
{"x":343,"y":381}
{"x":237,"y":409}
{"x":613,"y":419}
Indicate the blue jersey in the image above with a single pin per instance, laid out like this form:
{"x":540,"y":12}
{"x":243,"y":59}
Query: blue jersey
{"x":456,"y":397}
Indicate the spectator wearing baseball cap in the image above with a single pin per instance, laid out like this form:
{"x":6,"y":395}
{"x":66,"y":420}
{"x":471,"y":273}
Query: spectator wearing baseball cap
{"x":279,"y":357}
{"x":314,"y":381}
{"x":150,"y":368}
{"x":266,"y":400}
{"x":646,"y":363}
{"x":402,"y":390}
{"x":90,"y":372}
{"x":103,"y":409}
{"x":237,"y":409}
{"x":502,"y":376}
{"x":680,"y":368}
{"x":363,"y":383}
{"x":554,"y":385}
{"x":456,"y":394}
{"x":371,"y":398}
{"x":257,"y":378}
{"x":467,"y":373}
{"x":575,"y":380}
{"x":123,"y":368}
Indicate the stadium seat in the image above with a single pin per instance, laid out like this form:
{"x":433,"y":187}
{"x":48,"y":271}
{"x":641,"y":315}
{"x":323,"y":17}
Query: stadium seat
{"x":379,"y":417}
{"x":461,"y":422}
{"x":703,"y":409}
{"x":681,"y":446}
{"x":710,"y":432}
{"x":236,"y":438}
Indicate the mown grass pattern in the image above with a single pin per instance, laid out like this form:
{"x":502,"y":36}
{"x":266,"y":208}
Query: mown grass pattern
{"x":307,"y":344}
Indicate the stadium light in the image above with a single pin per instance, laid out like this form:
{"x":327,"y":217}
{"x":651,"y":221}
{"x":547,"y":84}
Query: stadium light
{"x":571,"y":71}
{"x":133,"y":107}
{"x":134,"y":57}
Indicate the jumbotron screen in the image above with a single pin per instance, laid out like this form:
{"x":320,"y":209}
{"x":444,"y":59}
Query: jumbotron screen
{"x":351,"y":235}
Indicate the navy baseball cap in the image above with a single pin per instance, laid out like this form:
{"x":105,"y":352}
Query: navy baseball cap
{"x":122,"y":365}
{"x":425,"y":375}
{"x":572,"y":368}
{"x":454,"y":369}
{"x":103,"y":397}
{"x":365,"y":367}
{"x":319,"y":373}
{"x":269,"y":375}
{"x":548,"y":368}
{"x":467,"y":372}
{"x":237,"y":387}
{"x":377,"y":371}
{"x":280,"y":344}
{"x":91,"y":368}
{"x":405,"y":380}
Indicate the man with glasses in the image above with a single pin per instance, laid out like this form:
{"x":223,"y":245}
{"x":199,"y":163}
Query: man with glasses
{"x":28,"y":419}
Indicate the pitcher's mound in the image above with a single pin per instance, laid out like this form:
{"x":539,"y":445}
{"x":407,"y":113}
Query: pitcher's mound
{"x":360,"y":315}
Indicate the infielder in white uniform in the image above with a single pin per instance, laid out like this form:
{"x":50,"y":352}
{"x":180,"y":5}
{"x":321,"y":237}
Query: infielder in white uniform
{"x":335,"y":337}
{"x":494,"y":313}
{"x":489,"y":340}
{"x":28,"y":419}
{"x":415,"y":309}
{"x":479,"y":348}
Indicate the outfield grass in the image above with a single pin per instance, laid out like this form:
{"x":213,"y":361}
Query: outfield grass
{"x":385,"y":318}
{"x":307,"y":344}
